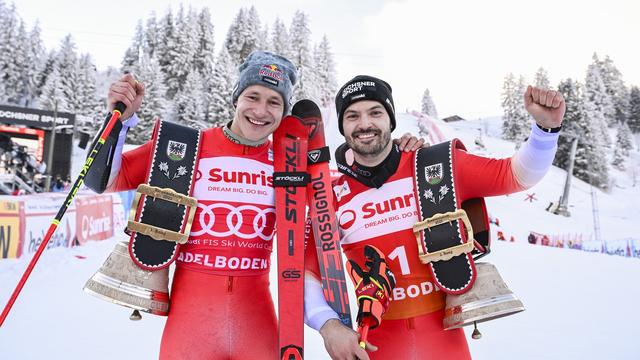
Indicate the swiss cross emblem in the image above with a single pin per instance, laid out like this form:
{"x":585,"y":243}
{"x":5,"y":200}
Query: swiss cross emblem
{"x":433,"y":173}
{"x":176,"y":150}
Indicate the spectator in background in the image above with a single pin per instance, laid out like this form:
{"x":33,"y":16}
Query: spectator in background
{"x":58,"y":185}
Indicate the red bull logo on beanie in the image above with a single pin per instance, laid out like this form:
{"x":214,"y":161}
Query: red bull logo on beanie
{"x":271,"y":73}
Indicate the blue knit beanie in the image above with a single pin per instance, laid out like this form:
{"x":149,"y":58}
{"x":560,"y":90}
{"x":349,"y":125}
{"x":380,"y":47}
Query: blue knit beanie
{"x":267,"y":69}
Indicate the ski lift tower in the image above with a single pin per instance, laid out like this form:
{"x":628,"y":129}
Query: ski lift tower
{"x":562,"y":206}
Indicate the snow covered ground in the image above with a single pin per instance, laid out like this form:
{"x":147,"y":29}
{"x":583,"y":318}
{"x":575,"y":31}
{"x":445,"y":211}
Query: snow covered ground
{"x":580,"y":305}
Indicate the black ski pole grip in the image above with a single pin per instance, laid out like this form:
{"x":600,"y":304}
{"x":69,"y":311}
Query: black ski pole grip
{"x":120,"y":107}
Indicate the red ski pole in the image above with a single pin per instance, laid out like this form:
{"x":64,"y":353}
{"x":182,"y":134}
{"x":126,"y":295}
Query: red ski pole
{"x":117,"y":112}
{"x":364,"y":332}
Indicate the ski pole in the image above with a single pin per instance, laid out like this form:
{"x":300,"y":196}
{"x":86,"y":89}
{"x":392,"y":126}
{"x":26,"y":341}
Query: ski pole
{"x":114,"y":117}
{"x":364,"y":332}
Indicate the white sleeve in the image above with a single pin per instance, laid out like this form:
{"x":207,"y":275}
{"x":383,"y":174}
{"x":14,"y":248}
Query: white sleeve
{"x":117,"y":153}
{"x":316,"y":309}
{"x":534,"y":158}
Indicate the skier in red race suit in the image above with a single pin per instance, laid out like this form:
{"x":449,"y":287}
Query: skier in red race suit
{"x":375,"y":205}
{"x":221,"y":306}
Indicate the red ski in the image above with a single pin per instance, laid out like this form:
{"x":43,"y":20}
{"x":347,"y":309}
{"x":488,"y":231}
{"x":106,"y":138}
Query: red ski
{"x":290,"y":180}
{"x":322,"y":213}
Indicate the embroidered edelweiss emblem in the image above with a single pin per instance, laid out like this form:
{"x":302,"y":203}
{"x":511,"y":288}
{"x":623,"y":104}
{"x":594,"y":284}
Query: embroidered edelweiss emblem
{"x":442,"y":192}
{"x":164,"y":168}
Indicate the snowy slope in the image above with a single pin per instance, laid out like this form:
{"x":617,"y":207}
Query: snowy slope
{"x":580,"y":305}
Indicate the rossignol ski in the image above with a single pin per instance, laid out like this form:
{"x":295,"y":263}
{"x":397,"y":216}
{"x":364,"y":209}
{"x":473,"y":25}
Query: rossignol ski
{"x":322,"y":213}
{"x":290,"y":181}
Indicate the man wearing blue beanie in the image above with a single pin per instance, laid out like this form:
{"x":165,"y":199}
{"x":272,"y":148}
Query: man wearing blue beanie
{"x":220,"y":306}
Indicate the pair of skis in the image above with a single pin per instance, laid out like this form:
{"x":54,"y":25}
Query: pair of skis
{"x":301,"y":178}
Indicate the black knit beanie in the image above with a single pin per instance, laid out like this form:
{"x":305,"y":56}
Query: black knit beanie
{"x":365,"y":87}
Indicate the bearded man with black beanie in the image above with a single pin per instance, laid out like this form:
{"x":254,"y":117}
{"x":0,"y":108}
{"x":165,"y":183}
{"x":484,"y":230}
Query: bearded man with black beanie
{"x":377,"y":184}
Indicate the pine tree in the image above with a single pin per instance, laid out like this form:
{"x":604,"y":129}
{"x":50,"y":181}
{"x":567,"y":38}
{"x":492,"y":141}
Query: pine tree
{"x":598,"y":92}
{"x":624,"y":138}
{"x":67,"y":65}
{"x":252,"y":33}
{"x":181,"y":51}
{"x":52,"y":97}
{"x":301,"y":56}
{"x":21,"y":80}
{"x":35,"y":60}
{"x":151,"y":36}
{"x":598,"y":101}
{"x":242,"y":37}
{"x":205,"y":50}
{"x":428,"y":107}
{"x":280,"y":43}
{"x":166,"y":49}
{"x":5,"y":56}
{"x":190,"y":39}
{"x":61,"y":90}
{"x":154,"y":104}
{"x":220,"y":109}
{"x":612,"y":79}
{"x":516,"y":124}
{"x":205,"y":58}
{"x":132,"y":54}
{"x":619,"y":158}
{"x":325,"y":66}
{"x":591,"y":163}
{"x":541,"y":79}
{"x":12,"y":57}
{"x":624,"y":144}
{"x":233,"y":41}
{"x":188,"y":103}
{"x":262,"y":42}
{"x":90,"y":104}
{"x":633,"y":118}
{"x":509,"y":105}
{"x":572,"y":122}
{"x":47,"y":70}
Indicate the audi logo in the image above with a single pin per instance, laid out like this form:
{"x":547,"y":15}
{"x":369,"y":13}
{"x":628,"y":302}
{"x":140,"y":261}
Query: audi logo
{"x":233,"y":220}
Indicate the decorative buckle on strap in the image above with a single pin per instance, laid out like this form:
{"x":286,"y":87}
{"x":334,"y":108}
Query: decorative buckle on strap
{"x":165,"y":194}
{"x":448,"y":253}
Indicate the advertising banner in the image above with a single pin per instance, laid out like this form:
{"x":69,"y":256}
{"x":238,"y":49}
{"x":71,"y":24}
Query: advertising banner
{"x":94,"y":218}
{"x":10,"y":246}
{"x":38,"y":215}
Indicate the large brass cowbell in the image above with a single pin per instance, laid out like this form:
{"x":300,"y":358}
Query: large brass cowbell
{"x":488,"y":299}
{"x":121,"y":281}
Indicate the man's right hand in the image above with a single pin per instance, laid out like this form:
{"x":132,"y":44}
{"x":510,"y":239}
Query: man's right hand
{"x":342,"y":343}
{"x":128,"y":91}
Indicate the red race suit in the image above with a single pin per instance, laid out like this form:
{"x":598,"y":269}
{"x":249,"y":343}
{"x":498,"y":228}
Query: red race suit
{"x":221,"y":306}
{"x":383,"y":217}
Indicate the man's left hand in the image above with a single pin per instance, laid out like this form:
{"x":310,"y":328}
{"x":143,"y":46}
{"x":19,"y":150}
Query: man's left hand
{"x":546,"y":106}
{"x":341,"y":342}
{"x":408,"y":143}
